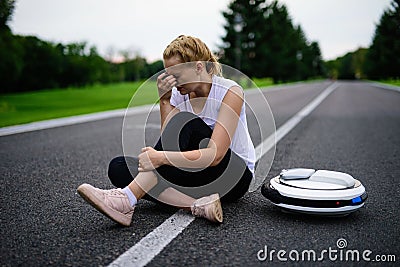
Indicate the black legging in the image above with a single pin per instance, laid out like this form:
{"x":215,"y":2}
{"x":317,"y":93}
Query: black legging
{"x":184,"y":132}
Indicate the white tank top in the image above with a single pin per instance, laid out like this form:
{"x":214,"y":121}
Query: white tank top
{"x":241,"y":142}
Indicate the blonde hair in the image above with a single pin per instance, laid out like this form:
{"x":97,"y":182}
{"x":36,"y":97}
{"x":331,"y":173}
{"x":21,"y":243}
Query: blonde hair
{"x":190,"y":49}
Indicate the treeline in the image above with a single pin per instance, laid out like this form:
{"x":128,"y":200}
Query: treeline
{"x":262,"y":41}
{"x":381,"y":60}
{"x":28,"y":63}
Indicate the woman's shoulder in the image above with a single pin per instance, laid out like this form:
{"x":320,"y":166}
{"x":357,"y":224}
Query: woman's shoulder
{"x":223,"y":85}
{"x":224,"y":82}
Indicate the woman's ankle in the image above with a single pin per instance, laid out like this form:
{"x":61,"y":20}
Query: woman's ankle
{"x":132,"y":198}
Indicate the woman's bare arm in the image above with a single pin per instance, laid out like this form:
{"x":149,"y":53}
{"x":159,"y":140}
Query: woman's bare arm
{"x":165,"y":83}
{"x":221,"y":138}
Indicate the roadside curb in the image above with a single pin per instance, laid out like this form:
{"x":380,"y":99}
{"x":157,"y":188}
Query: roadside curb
{"x":46,"y":124}
{"x":386,"y":86}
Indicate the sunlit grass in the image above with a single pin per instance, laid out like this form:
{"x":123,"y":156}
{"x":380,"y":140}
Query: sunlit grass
{"x":392,"y":82}
{"x":263,"y":82}
{"x":55,"y":103}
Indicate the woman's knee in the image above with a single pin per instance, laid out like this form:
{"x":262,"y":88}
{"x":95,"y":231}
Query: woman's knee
{"x":183,"y":116}
{"x":183,"y":119}
{"x":183,"y":132}
{"x":122,"y":170}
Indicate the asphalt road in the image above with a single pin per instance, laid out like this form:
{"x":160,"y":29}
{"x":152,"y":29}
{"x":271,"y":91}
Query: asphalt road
{"x":356,"y":129}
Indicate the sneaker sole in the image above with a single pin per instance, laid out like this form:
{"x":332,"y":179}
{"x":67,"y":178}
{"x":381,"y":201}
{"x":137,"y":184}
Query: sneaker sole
{"x":85,"y":192}
{"x":217,"y":213}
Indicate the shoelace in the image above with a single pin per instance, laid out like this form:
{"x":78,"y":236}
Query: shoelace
{"x":113,"y":192}
{"x":116,"y":193}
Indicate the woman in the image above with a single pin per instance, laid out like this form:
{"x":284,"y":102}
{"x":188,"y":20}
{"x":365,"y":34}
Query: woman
{"x":204,"y":150}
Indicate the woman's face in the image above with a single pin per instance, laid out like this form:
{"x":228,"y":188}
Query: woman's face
{"x":185,"y":73}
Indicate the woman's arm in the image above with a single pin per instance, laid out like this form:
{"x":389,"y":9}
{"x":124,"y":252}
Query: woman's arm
{"x":220,"y":141}
{"x":227,"y":122}
{"x":167,"y":111}
{"x":165,"y":83}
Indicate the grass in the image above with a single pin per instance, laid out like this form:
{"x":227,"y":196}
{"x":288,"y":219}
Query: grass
{"x":28,"y":107}
{"x":55,"y":103}
{"x":391,"y":82}
{"x":264,"y":82}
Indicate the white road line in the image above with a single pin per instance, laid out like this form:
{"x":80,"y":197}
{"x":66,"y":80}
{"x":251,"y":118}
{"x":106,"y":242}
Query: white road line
{"x":153,"y":243}
{"x":268,"y":89}
{"x":41,"y":125}
{"x":273,"y":139}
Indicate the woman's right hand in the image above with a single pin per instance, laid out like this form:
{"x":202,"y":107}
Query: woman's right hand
{"x":165,"y":82}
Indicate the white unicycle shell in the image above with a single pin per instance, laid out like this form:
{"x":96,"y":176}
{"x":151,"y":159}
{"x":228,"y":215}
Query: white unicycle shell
{"x":320,"y":192}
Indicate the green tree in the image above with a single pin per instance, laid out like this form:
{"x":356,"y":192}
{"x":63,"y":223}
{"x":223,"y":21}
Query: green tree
{"x":11,"y":62}
{"x":133,"y":68}
{"x":383,"y":60}
{"x":41,"y":64}
{"x":262,"y":41}
{"x":350,"y":66}
{"x":332,"y":67}
{"x":346,"y":70}
{"x":29,"y":63}
{"x":6,"y":10}
{"x":284,"y":44}
{"x":152,"y":68}
{"x":359,"y":58}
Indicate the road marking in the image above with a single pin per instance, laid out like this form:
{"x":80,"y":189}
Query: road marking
{"x":153,"y":243}
{"x":47,"y":124}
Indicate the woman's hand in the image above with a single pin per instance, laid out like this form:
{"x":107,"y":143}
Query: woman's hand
{"x":150,"y":159}
{"x":165,"y":82}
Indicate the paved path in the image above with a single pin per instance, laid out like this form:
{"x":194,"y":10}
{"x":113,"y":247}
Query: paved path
{"x":356,"y":129}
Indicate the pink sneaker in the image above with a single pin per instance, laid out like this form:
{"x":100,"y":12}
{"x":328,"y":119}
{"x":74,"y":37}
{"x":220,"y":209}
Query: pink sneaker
{"x":112,"y":203}
{"x":208,"y":207}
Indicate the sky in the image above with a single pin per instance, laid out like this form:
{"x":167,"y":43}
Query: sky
{"x":146,"y":27}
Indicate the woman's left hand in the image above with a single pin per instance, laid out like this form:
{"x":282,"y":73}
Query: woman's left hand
{"x":150,"y":159}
